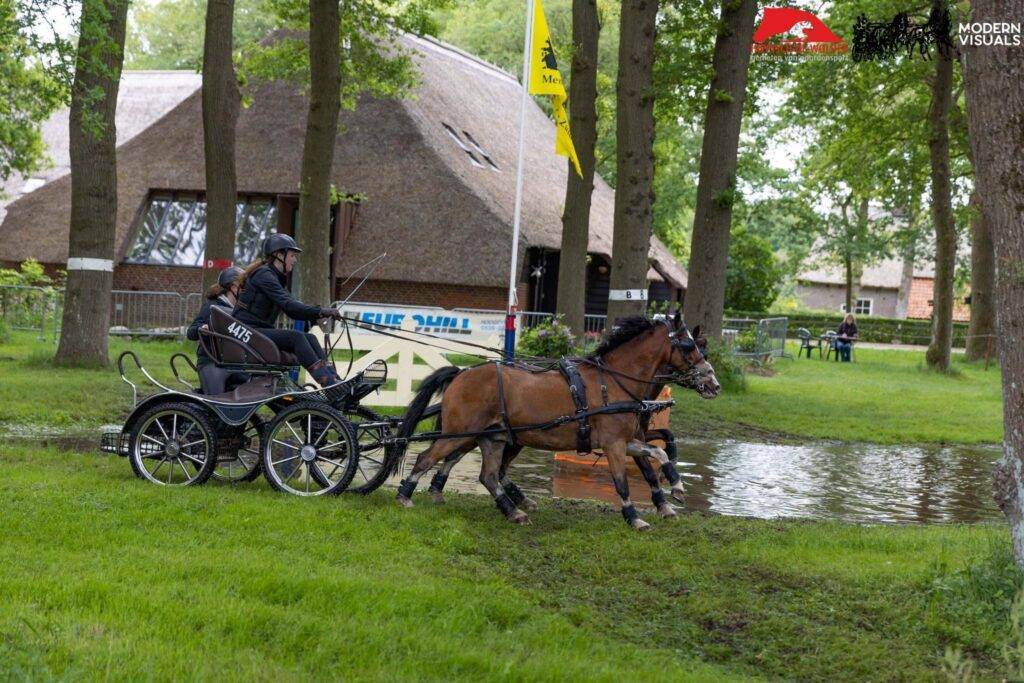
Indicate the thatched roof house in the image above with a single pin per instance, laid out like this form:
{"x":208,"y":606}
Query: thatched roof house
{"x":435,"y":172}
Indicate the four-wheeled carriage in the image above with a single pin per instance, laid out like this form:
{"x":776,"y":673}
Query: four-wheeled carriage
{"x":303,"y":439}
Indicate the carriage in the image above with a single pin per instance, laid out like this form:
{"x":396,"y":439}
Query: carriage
{"x":305,"y":440}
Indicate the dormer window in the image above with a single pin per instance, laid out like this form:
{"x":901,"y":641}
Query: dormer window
{"x":465,"y":148}
{"x":480,"y":150}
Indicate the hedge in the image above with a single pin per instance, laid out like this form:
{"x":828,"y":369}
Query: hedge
{"x":869,"y":328}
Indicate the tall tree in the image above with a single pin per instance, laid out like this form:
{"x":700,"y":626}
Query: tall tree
{"x":572,"y":262}
{"x":221,"y":100}
{"x":314,"y":233}
{"x":92,"y":142}
{"x":941,"y":345}
{"x":709,"y":251}
{"x":634,"y":194}
{"x":995,"y":117}
{"x":981,"y":331}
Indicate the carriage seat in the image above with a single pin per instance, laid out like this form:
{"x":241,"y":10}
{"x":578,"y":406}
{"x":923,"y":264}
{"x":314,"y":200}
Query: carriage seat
{"x":234,"y":343}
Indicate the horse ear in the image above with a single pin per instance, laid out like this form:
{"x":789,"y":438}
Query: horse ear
{"x":696,"y":332}
{"x":677,"y":321}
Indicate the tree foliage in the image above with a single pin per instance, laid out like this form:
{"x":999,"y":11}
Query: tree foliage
{"x":753,"y":277}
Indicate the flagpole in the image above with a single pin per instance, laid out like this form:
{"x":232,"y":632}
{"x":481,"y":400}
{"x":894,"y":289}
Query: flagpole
{"x":510,"y":315}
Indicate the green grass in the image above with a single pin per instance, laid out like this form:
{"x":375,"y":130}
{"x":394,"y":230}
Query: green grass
{"x":104,"y":576}
{"x":885,"y":397}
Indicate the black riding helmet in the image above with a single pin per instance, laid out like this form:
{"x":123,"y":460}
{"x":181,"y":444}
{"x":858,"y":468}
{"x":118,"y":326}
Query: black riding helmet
{"x":277,"y":242}
{"x":228,"y":276}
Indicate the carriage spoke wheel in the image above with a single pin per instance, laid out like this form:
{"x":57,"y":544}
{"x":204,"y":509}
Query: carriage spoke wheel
{"x":244,"y":464}
{"x":375,"y":458}
{"x":174,"y":445}
{"x":310,"y":450}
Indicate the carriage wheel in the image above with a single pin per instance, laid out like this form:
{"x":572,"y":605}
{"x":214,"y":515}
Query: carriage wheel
{"x":309,"y":449}
{"x":173,"y":444}
{"x":375,"y":459}
{"x":244,"y":464}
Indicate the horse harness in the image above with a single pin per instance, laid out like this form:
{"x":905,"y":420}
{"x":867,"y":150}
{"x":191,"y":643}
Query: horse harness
{"x":582,"y":412}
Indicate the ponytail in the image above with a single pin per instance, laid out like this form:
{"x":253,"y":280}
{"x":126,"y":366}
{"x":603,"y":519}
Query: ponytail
{"x":214,"y":291}
{"x":247,"y":272}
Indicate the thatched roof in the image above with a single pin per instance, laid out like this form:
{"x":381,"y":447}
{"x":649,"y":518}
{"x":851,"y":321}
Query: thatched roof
{"x":143,"y":97}
{"x":885,"y":274}
{"x":440,"y":217}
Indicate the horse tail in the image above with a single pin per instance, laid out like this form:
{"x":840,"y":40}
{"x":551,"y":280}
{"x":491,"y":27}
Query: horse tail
{"x":419,"y":409}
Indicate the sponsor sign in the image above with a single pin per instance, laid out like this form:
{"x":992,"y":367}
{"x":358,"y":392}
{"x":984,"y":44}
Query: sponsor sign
{"x":462,"y":325}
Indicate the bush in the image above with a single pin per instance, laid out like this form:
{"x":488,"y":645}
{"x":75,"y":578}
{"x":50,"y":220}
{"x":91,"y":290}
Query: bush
{"x":746,"y":341}
{"x":549,"y":339}
{"x":869,"y":328}
{"x":728,"y":368}
{"x":752,"y":277}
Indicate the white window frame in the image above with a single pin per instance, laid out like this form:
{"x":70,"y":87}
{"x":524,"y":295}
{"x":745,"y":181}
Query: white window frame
{"x":857,"y":306}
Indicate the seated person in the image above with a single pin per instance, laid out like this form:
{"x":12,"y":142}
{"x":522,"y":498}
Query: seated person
{"x":846,"y":333}
{"x":263,"y":295}
{"x":212,"y":379}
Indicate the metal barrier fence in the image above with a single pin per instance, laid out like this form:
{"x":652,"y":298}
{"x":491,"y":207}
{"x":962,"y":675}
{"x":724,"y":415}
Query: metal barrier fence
{"x":756,"y":339}
{"x":24,"y":307}
{"x":151,"y":314}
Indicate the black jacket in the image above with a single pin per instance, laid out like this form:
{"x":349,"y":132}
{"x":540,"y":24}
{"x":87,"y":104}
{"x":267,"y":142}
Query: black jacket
{"x":202,"y":318}
{"x":264,"y":297}
{"x":847,"y":329}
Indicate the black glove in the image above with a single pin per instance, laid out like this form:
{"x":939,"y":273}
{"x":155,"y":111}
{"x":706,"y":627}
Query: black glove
{"x":330,"y":313}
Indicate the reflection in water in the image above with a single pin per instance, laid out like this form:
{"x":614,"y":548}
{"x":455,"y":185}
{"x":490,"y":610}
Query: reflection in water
{"x":848,"y":482}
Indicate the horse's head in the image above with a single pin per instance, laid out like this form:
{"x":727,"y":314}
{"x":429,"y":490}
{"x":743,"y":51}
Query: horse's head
{"x":688,"y":365}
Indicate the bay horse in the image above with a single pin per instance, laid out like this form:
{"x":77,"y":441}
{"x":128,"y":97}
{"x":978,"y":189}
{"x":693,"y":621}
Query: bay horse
{"x":635,"y":360}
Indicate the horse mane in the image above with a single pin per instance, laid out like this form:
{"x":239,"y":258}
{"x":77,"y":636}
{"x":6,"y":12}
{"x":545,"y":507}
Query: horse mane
{"x":622,"y":331}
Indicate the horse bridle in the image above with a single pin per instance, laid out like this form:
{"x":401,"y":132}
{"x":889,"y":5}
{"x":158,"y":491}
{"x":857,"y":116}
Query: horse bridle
{"x":692,"y":376}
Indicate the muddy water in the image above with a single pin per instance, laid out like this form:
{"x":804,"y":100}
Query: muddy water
{"x":849,"y":482}
{"x":861,"y":483}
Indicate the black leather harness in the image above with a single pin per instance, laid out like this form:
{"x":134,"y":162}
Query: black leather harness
{"x":578,"y":392}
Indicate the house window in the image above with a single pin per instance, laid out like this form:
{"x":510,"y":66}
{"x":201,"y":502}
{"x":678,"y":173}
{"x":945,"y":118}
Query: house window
{"x":860,"y":307}
{"x":172,"y":230}
{"x":465,"y":148}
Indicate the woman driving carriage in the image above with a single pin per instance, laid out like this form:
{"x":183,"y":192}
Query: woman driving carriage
{"x":224,"y":293}
{"x":263,"y":294}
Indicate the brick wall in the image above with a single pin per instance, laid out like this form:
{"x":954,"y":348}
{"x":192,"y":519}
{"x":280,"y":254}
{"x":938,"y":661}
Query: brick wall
{"x":147,"y":278}
{"x":435,"y":294}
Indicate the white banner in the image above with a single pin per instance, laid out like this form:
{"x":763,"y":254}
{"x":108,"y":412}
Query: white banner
{"x":627,"y":295}
{"x":103,"y":265}
{"x":462,"y":325}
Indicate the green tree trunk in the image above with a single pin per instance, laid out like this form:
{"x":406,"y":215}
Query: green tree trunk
{"x":92,"y":144}
{"x":634,"y":193}
{"x":221,"y":100}
{"x":572,"y":263}
{"x":709,"y":251}
{"x":995,"y":116}
{"x":315,"y":286}
{"x":941,"y":345}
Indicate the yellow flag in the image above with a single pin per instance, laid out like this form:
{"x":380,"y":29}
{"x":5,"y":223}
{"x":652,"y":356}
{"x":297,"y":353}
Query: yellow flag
{"x":546,"y":80}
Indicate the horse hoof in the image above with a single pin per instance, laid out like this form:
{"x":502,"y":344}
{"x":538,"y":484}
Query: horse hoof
{"x":640,"y":525}
{"x":436,"y":496}
{"x":665,"y":511}
{"x":403,"y":501}
{"x":677,"y":495}
{"x":520,"y":517}
{"x":529,"y":504}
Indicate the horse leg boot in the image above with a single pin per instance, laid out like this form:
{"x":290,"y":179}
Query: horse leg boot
{"x":440,"y":477}
{"x":657,"y":495}
{"x":514,"y":492}
{"x":617,"y":465}
{"x":427,"y":459}
{"x":489,"y":477}
{"x":667,"y":462}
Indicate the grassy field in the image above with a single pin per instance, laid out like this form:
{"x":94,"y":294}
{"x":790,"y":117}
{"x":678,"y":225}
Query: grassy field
{"x":887,"y":396}
{"x":104,"y":576}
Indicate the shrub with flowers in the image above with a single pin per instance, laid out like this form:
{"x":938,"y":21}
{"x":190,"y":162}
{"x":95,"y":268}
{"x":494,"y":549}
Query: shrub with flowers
{"x":549,"y":339}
